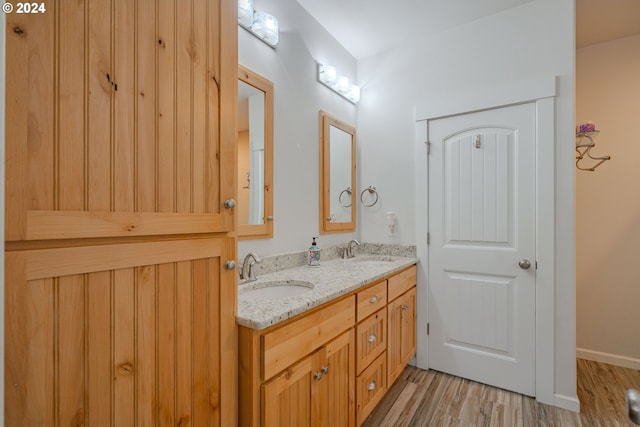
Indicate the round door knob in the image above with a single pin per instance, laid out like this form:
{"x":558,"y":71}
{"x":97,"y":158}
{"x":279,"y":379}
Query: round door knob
{"x":230,"y":265}
{"x":524,"y":264}
{"x":229,"y":203}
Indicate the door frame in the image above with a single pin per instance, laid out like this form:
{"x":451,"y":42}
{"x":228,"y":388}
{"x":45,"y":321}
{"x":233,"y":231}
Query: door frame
{"x":541,"y":92}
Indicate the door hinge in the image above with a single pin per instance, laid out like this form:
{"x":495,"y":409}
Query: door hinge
{"x":427,"y":328}
{"x":536,"y":264}
{"x":428,"y":238}
{"x":428,"y":147}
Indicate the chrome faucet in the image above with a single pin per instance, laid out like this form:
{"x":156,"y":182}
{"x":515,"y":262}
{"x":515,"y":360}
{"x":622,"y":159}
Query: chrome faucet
{"x":247,"y":272}
{"x":348,"y":250}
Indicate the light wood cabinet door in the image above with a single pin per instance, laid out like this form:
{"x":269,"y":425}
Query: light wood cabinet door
{"x":286,"y":399}
{"x":401,"y":336}
{"x":333,"y":396}
{"x":120,"y":148}
{"x":318,"y":391}
{"x":121,"y":335}
{"x":120,"y":119}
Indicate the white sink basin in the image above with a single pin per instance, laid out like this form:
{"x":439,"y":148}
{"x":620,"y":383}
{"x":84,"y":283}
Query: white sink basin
{"x":276,"y":289}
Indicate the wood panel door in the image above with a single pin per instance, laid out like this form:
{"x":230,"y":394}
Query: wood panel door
{"x":120,"y":147}
{"x":401,"y":334}
{"x":286,"y":398}
{"x":333,"y":395}
{"x":121,"y":335}
{"x":120,"y":119}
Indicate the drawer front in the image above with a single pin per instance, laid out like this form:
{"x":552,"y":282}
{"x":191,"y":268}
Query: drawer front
{"x":371,"y":386}
{"x":371,"y":299}
{"x":290,"y":343}
{"x":401,"y":282}
{"x":371,"y":339}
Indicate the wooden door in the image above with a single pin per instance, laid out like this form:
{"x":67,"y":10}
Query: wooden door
{"x":402,"y":334}
{"x":482,"y":205}
{"x":120,"y":147}
{"x":120,"y":119}
{"x":286,"y":399}
{"x":129,"y":334}
{"x":333,"y":395}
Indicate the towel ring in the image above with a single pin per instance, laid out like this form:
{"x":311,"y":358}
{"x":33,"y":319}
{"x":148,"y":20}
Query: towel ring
{"x":348,"y":191}
{"x":371,"y":190}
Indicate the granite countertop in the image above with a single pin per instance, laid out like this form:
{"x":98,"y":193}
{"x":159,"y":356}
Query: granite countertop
{"x":330,"y":280}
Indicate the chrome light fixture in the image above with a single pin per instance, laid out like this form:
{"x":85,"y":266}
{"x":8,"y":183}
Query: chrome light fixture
{"x":328,"y":76}
{"x":261,"y":24}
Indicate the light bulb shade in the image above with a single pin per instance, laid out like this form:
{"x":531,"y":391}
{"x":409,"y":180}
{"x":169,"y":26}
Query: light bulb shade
{"x":245,"y":13}
{"x":265,"y":26}
{"x":354,"y":94}
{"x":342,"y":85}
{"x":327,"y":74}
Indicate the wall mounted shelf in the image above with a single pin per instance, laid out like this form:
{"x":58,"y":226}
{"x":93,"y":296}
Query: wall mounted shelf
{"x":584,"y":144}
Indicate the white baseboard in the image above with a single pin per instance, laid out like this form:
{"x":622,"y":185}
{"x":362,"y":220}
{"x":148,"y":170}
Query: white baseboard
{"x":612,"y":359}
{"x":566,"y":402}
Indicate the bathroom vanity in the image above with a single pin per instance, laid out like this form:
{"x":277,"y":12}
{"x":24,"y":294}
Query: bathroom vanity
{"x":326,"y":356}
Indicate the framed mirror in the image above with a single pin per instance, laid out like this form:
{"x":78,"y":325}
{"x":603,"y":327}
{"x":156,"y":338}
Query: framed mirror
{"x":255,"y":155}
{"x":337,"y":175}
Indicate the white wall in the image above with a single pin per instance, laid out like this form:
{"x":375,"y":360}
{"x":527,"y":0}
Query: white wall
{"x":298,"y":98}
{"x":525,"y":42}
{"x":608,"y":204}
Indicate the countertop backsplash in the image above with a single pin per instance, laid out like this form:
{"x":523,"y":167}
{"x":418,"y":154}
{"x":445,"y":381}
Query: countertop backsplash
{"x":275,"y":263}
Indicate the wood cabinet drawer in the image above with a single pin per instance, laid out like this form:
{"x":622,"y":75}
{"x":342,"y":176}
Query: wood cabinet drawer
{"x":371,"y":339}
{"x":293,"y":341}
{"x":371,"y":299}
{"x":401,"y":282}
{"x":371,"y":386}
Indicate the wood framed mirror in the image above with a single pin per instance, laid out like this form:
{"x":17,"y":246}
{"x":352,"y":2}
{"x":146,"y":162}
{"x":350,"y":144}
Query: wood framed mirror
{"x":255,"y":155}
{"x":337,"y":175}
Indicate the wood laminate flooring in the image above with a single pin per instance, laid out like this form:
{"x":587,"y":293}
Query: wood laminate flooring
{"x":431,"y":398}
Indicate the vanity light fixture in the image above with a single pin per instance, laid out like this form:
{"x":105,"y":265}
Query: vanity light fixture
{"x":328,"y":76}
{"x":263,"y":25}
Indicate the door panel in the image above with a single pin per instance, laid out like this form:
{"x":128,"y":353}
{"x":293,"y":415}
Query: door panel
{"x":118,"y":119}
{"x":482,"y":223}
{"x":102,"y":347}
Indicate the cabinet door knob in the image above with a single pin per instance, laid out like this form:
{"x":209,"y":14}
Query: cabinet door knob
{"x":317,"y":376}
{"x":405,"y":307}
{"x":325,"y":370}
{"x":229,"y":203}
{"x":372,"y":386}
{"x":230,"y":265}
{"x":374,"y":299}
{"x":372,"y":338}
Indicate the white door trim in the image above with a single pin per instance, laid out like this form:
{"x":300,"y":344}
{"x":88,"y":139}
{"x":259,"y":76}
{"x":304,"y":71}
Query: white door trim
{"x":541,"y":91}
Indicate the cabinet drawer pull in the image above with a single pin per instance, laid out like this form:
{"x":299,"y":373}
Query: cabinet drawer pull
{"x":372,"y":338}
{"x":374,"y":299}
{"x":317,"y":376}
{"x":372,"y":386}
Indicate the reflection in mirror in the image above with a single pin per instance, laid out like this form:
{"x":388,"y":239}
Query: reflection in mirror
{"x":255,"y":155}
{"x":337,"y":175}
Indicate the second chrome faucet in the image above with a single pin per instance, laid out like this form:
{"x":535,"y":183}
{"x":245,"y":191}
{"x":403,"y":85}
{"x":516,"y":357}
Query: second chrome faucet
{"x":348,"y":250}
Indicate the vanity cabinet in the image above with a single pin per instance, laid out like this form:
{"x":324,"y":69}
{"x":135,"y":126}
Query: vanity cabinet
{"x":332,"y":365}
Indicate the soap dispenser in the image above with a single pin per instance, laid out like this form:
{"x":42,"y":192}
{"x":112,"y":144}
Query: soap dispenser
{"x":313,"y":256}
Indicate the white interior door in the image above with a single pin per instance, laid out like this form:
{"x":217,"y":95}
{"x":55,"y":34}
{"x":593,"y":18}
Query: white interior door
{"x":482,"y":246}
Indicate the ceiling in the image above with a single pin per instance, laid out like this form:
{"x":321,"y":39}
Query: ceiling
{"x":367,"y":27}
